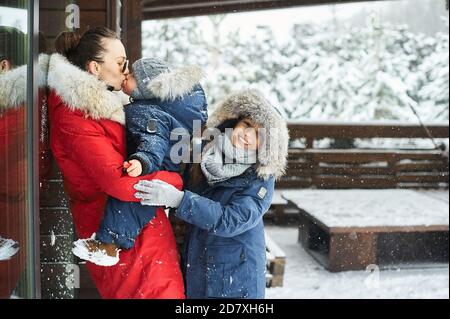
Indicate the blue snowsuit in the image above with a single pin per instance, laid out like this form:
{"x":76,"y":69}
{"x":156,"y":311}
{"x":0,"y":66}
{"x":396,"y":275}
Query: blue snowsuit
{"x":150,"y":125}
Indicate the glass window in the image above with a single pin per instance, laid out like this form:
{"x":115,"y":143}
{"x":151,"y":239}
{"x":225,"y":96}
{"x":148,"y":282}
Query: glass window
{"x":16,"y":235}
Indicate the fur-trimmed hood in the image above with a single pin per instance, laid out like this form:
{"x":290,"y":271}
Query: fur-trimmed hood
{"x":13,"y":84}
{"x":156,"y":79}
{"x":83,"y":91}
{"x":272,"y":156}
{"x":176,"y":83}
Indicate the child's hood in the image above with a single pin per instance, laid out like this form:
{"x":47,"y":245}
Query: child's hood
{"x":176,"y":83}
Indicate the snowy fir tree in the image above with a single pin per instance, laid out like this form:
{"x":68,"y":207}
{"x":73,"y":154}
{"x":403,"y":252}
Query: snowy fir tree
{"x":433,"y":93}
{"x":177,"y":43}
{"x":322,"y":78}
{"x":375,"y":73}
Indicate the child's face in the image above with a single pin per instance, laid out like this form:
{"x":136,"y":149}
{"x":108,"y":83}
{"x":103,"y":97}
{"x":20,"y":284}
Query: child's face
{"x":129,"y":84}
{"x":245,"y":135}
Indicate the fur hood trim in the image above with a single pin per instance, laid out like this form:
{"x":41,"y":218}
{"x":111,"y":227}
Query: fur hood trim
{"x":272,"y":155}
{"x":176,"y":83}
{"x":83,"y":91}
{"x":13,"y":84}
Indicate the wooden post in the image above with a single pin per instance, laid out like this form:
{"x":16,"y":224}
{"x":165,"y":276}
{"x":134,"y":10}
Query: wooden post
{"x":352,"y":251}
{"x":132,"y":29}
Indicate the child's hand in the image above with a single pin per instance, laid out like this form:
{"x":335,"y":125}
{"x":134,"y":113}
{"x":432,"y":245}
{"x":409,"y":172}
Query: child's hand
{"x":133,"y":168}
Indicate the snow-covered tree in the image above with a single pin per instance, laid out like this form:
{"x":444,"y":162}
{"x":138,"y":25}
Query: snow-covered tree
{"x":434,"y":77}
{"x":362,"y":74}
{"x":177,"y":43}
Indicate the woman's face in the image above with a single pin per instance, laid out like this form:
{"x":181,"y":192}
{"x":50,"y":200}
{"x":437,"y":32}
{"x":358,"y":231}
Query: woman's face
{"x":111,"y":70}
{"x":245,"y":135}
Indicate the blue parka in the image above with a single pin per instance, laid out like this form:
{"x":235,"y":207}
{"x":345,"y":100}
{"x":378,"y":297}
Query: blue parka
{"x":224,"y":254}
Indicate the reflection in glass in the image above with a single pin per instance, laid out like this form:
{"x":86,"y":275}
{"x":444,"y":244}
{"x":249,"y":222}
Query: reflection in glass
{"x":13,"y":152}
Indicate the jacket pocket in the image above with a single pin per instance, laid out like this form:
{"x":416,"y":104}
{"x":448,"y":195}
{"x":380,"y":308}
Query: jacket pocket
{"x":227,"y":272}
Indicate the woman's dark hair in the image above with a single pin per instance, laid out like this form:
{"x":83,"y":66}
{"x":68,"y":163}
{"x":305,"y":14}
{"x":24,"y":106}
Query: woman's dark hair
{"x":81,"y":49}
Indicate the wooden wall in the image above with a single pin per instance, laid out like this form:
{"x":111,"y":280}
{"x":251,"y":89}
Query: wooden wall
{"x":95,"y":13}
{"x":52,"y":16}
{"x":59,"y":268}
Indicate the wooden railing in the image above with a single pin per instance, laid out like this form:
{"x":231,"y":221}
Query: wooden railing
{"x":365,"y":168}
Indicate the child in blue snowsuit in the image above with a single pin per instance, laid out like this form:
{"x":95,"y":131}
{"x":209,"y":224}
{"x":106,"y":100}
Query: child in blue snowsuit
{"x":164,"y":105}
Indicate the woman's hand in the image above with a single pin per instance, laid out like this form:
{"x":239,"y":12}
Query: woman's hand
{"x":158,"y":193}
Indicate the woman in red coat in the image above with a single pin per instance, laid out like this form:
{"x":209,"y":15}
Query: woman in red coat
{"x":87,"y":138}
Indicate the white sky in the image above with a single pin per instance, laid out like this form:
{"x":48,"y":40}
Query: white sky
{"x":281,"y":20}
{"x":16,"y":18}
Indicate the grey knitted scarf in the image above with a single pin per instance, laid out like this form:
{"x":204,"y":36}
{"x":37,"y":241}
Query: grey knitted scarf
{"x":223,"y":161}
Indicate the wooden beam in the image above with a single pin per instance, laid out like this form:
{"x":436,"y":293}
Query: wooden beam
{"x":365,"y":130}
{"x":160,"y":9}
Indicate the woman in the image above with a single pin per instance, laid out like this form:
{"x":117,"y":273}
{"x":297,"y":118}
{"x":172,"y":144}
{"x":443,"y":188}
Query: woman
{"x":225,"y":254}
{"x":87,"y":138}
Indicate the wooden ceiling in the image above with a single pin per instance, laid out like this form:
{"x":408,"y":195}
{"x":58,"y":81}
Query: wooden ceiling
{"x":160,"y":9}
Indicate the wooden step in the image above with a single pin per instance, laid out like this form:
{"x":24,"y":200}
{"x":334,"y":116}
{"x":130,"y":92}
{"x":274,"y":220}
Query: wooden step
{"x":351,"y":230}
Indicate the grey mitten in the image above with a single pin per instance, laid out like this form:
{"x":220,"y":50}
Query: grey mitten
{"x":158,"y":193}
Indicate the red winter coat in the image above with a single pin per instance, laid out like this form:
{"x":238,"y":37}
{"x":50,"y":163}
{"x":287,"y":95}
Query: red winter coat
{"x":13,"y":209}
{"x":13,"y":165}
{"x":87,"y":137}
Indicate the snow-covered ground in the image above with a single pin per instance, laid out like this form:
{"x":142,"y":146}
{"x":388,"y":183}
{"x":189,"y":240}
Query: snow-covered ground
{"x":304,"y":278}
